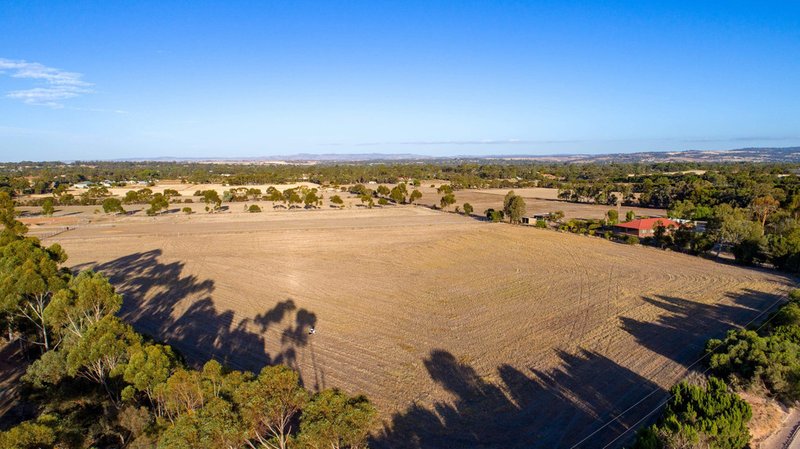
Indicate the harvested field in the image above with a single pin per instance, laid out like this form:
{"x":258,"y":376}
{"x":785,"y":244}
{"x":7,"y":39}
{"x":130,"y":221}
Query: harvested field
{"x":464,"y":333}
{"x":537,"y":201}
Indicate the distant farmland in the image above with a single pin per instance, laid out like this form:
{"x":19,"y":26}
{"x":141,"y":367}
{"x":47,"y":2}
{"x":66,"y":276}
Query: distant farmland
{"x":464,"y":333}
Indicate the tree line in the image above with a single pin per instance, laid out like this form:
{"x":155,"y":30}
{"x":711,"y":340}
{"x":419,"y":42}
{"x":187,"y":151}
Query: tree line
{"x":97,"y":382}
{"x":646,"y":178}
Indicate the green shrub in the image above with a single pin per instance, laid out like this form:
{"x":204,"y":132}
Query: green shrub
{"x":494,"y":215}
{"x":632,"y":240}
{"x":254,"y":209}
{"x":696,"y":416}
{"x":772,"y":360}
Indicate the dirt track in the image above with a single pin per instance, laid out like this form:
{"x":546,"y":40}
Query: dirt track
{"x":464,"y":333}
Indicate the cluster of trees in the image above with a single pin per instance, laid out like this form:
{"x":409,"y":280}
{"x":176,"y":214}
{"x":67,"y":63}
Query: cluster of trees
{"x":757,"y":220}
{"x":146,"y":196}
{"x":653,"y":182}
{"x":211,"y":199}
{"x":761,"y":232}
{"x":398,"y":194}
{"x":89,"y":197}
{"x":513,"y":209}
{"x":598,"y":193}
{"x":764,"y":361}
{"x":241,"y":194}
{"x":768,"y":358}
{"x":99,"y":383}
{"x":448,"y":197}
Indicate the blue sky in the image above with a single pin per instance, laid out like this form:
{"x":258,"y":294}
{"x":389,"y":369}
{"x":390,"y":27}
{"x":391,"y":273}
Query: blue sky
{"x":98,"y":80}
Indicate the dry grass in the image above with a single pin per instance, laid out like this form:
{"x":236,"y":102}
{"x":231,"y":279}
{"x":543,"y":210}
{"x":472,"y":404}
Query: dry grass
{"x":463,"y":333}
{"x":537,"y":201}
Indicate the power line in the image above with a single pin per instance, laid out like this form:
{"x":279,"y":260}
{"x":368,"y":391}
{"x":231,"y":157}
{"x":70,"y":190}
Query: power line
{"x":688,"y":368}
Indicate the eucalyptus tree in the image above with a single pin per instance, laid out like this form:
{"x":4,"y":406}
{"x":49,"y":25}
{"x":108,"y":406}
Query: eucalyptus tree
{"x":29,"y":277}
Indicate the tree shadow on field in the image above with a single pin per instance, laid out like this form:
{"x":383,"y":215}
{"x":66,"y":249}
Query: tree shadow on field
{"x":14,"y":407}
{"x":680,"y":333}
{"x":557,"y":408}
{"x":160,"y":301}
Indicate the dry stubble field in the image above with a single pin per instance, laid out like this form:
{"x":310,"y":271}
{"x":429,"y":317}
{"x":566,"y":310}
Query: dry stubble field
{"x":463,"y":333}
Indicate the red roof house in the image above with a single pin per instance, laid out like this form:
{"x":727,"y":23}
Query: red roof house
{"x":644,"y":227}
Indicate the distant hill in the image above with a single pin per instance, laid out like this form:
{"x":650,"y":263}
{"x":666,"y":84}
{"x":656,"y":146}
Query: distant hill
{"x":787,"y":154}
{"x":300,"y":157}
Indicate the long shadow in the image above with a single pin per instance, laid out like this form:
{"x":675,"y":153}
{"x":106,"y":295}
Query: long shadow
{"x":534,"y":409}
{"x":560,"y":408}
{"x":160,"y":301}
{"x":14,"y":408}
{"x":680,"y":333}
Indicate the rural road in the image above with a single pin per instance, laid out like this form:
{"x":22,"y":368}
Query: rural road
{"x":788,"y":437}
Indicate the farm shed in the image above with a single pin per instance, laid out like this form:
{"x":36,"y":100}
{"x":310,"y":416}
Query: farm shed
{"x":645,"y":227}
{"x":532,"y":219}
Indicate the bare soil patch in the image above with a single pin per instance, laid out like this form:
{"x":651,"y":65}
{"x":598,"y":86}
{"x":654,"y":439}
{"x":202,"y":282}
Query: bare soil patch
{"x":464,"y":333}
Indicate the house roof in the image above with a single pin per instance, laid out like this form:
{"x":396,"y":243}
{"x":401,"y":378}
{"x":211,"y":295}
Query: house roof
{"x":648,"y":223}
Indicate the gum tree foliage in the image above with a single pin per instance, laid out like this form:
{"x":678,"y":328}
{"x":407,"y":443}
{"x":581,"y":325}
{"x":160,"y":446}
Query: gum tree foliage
{"x":13,"y":229}
{"x":311,"y":199}
{"x":48,"y":207}
{"x":212,"y":200}
{"x":514,"y":207}
{"x":35,"y":434}
{"x":763,"y":207}
{"x":157,"y":204}
{"x":398,"y":193}
{"x":494,"y":215}
{"x":102,"y":351}
{"x":113,"y":205}
{"x":447,"y":200}
{"x":29,"y":277}
{"x":270,"y":403}
{"x":87,"y":299}
{"x":612,"y":216}
{"x":148,"y":367}
{"x":334,"y":420}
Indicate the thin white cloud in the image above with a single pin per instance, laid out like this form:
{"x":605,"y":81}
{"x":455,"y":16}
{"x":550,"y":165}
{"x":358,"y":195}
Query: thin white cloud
{"x":55,"y":85}
{"x":115,"y":111}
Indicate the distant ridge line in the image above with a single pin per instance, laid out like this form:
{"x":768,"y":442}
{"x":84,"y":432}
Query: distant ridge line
{"x":761,"y":154}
